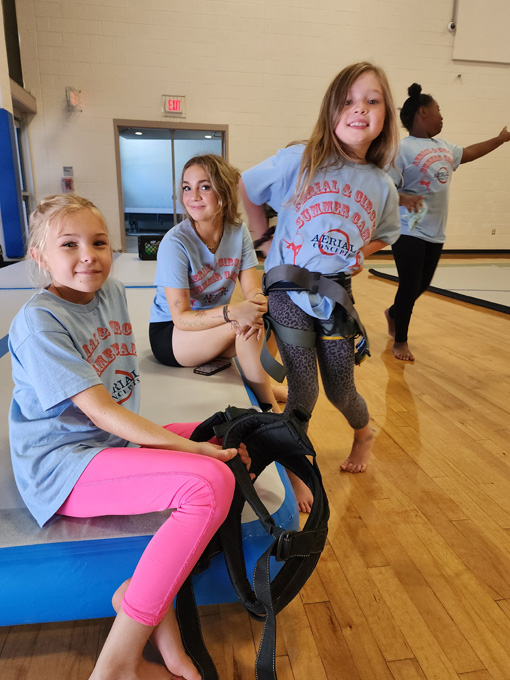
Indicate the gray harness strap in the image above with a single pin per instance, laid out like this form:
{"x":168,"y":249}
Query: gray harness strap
{"x":315,"y":283}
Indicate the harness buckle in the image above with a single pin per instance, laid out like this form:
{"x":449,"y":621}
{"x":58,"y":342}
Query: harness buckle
{"x":361,"y":352}
{"x":283,"y":545}
{"x":264,"y":289}
{"x":314,"y":287}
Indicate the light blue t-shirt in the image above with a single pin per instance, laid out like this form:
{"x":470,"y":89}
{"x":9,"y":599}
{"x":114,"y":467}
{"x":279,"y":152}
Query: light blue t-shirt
{"x":424,"y":167}
{"x":185,"y":262}
{"x":59,"y":349}
{"x":344,"y":208}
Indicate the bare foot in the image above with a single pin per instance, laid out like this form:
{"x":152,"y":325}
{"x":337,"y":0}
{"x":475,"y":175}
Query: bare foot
{"x":303,"y":494}
{"x":280,"y":393}
{"x":143,"y":671}
{"x":360,"y":452}
{"x":401,"y":351}
{"x":391,"y":323}
{"x":166,"y":637}
{"x":121,"y":656}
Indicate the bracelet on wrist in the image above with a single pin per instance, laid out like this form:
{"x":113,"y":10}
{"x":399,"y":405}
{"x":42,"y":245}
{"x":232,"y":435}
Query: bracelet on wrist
{"x":225,"y":314}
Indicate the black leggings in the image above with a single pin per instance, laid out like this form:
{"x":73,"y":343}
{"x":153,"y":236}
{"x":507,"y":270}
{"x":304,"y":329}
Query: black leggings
{"x":416,"y":262}
{"x":336,"y":362}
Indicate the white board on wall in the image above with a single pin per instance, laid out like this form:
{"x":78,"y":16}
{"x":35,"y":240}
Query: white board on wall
{"x":482,"y":32}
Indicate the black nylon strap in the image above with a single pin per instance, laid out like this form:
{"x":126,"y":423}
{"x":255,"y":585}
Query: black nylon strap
{"x":269,"y":363}
{"x":299,"y":278}
{"x":191,"y":631}
{"x":315,"y":283}
{"x":245,"y":486}
{"x":265,"y":664}
{"x":300,"y":550}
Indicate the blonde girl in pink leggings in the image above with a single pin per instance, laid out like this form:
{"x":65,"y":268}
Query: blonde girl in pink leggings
{"x":79,"y":447}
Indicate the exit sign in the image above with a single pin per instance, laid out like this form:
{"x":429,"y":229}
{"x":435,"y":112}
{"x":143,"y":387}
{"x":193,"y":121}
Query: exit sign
{"x":174,"y":106}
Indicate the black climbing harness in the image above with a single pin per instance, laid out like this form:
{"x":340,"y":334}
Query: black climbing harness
{"x":292,"y":277}
{"x":268,"y":437}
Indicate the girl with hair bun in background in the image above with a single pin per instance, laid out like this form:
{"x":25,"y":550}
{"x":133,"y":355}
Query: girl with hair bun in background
{"x":422,"y":174}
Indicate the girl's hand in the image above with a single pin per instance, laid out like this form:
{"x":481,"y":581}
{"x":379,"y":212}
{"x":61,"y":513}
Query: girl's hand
{"x":360,"y":258}
{"x":411,"y":202}
{"x":245,"y":456}
{"x":261,"y":299}
{"x":249,"y":312}
{"x":215,"y":451}
{"x":504,"y":134}
{"x":248,"y":331}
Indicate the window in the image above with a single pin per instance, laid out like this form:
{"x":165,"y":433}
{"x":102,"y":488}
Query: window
{"x":150,"y":161}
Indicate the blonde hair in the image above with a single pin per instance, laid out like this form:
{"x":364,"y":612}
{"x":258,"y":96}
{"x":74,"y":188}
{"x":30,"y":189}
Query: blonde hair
{"x":224,"y":180}
{"x":52,"y":210}
{"x":324,"y":149}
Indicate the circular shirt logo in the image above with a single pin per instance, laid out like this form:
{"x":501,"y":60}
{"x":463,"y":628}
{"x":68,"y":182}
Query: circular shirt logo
{"x":442,"y":175}
{"x":327,"y":240}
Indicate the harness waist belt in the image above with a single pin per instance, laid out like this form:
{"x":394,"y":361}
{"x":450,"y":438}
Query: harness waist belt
{"x":315,"y":282}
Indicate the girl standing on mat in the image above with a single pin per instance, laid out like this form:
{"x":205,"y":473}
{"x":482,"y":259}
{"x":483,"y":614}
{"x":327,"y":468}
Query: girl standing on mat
{"x":80,"y":449}
{"x":422,"y":174}
{"x":199,"y":261}
{"x":335,"y":206}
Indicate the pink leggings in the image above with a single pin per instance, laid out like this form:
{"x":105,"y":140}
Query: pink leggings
{"x":133,"y":481}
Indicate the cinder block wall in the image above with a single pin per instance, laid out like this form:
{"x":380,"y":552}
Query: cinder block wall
{"x":260,"y":66}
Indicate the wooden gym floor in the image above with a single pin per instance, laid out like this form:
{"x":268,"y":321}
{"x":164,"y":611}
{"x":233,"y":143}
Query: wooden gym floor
{"x":414,"y":583}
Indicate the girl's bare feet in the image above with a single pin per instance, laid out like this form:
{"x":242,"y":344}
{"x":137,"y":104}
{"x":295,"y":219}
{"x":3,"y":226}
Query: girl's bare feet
{"x":360,"y":452}
{"x":391,"y":323}
{"x":303,"y":494}
{"x":143,"y":671}
{"x":121,"y":657}
{"x":166,"y":638}
{"x":401,"y":351}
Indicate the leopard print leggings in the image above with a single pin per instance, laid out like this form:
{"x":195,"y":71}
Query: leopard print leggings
{"x":336,"y":363}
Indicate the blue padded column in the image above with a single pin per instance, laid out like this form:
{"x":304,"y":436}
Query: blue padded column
{"x":11,"y":209}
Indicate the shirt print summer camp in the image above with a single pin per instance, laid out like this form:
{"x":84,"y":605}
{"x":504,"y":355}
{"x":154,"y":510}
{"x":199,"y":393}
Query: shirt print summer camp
{"x":434,"y":164}
{"x":334,"y":220}
{"x":224,"y":269}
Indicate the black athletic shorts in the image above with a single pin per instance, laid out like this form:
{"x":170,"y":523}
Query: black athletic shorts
{"x":160,"y":336}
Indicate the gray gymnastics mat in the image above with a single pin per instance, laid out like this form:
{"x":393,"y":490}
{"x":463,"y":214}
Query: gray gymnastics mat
{"x":486,"y":285}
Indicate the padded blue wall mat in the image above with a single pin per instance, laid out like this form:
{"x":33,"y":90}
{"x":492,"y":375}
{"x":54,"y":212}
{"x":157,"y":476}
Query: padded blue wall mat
{"x":13,"y":222}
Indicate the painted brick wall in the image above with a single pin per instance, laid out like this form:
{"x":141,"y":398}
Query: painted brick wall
{"x":260,"y":66}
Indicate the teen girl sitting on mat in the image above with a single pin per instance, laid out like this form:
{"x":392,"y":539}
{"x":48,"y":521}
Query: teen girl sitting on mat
{"x":199,"y":261}
{"x":422,"y":173}
{"x":335,"y":206}
{"x":80,"y":449}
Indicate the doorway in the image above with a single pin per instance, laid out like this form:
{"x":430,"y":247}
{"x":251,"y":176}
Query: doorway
{"x":150,"y":158}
